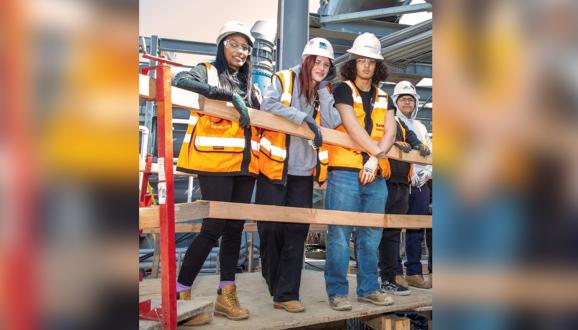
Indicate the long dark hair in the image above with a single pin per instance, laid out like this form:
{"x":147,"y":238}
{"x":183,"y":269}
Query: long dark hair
{"x":349,"y":71}
{"x":227,"y":82}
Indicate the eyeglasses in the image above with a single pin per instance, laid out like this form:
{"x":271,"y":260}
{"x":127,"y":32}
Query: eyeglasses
{"x":406,"y":99}
{"x":237,"y":46}
{"x":364,"y":61}
{"x":324,"y":65}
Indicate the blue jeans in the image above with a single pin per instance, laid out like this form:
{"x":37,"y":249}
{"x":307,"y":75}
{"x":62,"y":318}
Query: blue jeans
{"x":345,"y":193}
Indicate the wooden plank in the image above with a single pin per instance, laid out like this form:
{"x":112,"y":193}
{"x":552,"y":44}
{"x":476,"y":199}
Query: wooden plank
{"x":155,"y":169}
{"x":255,"y":212}
{"x":389,"y":322}
{"x":149,"y":216}
{"x":269,"y":121}
{"x":249,"y":228}
{"x":185,"y":310}
{"x":147,"y":87}
{"x":151,"y":289}
{"x":227,"y":210}
{"x":253,"y":295}
{"x":191,"y":101}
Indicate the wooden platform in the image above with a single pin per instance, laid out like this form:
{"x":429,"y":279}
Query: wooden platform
{"x":253,"y":294}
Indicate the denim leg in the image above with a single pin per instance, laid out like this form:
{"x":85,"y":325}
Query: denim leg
{"x":342,"y":194}
{"x":373,"y":198}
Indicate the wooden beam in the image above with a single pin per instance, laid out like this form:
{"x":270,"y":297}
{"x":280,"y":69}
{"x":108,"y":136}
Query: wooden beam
{"x":389,"y":322}
{"x":249,"y":228}
{"x":191,"y":101}
{"x":227,"y":210}
{"x":149,"y":216}
{"x":147,"y":87}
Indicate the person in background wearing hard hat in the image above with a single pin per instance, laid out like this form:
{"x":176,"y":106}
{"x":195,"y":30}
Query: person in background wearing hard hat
{"x":405,"y":99}
{"x":223,"y":154}
{"x":288,"y":165}
{"x":356,"y":179}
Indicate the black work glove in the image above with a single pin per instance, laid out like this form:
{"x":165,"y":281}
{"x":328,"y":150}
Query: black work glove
{"x":423,"y":149}
{"x":186,"y":80}
{"x":244,"y":120}
{"x":403,"y":146}
{"x":318,"y":139}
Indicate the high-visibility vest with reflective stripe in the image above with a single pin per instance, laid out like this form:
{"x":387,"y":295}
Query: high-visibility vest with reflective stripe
{"x":348,"y":159}
{"x":273,"y":146}
{"x":218,"y":146}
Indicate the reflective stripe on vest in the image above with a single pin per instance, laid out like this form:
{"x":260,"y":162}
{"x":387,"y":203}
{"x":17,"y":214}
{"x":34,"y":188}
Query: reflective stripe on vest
{"x":273,"y":145}
{"x":212,"y":145}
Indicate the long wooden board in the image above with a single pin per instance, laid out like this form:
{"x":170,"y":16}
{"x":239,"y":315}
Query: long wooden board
{"x":249,"y":228}
{"x":239,"y":211}
{"x":191,"y":101}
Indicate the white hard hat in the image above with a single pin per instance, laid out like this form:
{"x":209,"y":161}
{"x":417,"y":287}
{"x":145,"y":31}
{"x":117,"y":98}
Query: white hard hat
{"x":233,"y":27}
{"x":366,"y":45}
{"x":404,"y":88}
{"x":319,"y":47}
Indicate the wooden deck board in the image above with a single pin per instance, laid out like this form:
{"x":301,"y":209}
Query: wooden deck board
{"x":253,"y":294}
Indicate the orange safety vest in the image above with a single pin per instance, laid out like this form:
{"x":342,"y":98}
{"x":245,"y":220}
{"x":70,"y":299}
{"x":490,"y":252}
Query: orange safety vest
{"x":218,"y":146}
{"x":348,"y":159}
{"x":273,"y":145}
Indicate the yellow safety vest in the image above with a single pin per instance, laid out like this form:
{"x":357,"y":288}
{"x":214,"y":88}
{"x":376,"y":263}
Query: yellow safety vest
{"x":273,"y":145}
{"x":218,"y":146}
{"x":341,"y":158}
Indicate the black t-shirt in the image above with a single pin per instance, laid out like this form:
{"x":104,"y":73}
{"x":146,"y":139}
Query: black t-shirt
{"x":342,"y":94}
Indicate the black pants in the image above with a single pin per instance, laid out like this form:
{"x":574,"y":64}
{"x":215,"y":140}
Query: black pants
{"x":397,"y":203}
{"x":283,"y":244}
{"x":237,"y":189}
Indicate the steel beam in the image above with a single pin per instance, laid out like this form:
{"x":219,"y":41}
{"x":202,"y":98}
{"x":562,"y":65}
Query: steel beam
{"x":411,"y":71}
{"x":293,"y":25}
{"x":376,"y":13}
{"x":182,"y":46}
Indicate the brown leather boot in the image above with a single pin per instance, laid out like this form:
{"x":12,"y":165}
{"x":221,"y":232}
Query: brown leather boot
{"x":400,"y":280}
{"x":184,"y":295}
{"x":292,"y":306}
{"x":417,"y":281}
{"x":227,"y":304}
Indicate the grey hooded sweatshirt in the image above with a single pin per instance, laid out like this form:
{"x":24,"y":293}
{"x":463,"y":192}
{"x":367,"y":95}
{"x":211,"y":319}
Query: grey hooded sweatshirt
{"x":302,"y":158}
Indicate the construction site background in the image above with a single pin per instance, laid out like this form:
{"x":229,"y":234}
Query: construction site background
{"x":506,"y":178}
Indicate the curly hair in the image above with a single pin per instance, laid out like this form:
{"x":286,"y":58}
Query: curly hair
{"x":348,"y":71}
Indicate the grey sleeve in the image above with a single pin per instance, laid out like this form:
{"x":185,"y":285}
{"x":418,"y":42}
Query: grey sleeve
{"x":329,"y":115}
{"x":272,"y":103}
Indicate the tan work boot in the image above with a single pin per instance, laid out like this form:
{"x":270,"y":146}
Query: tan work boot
{"x":292,"y":306}
{"x":417,"y":281}
{"x":184,"y":295}
{"x":340,"y":304}
{"x":377,"y":298}
{"x":199,"y":319}
{"x":227,"y":304}
{"x":400,"y":280}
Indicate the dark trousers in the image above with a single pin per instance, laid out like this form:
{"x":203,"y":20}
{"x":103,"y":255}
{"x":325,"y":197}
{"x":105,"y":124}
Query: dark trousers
{"x":419,"y":205}
{"x":283,"y":244}
{"x":397,"y":203}
{"x":237,"y":189}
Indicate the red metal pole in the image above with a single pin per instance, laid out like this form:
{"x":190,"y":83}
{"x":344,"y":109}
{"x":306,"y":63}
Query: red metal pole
{"x":166,"y":197}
